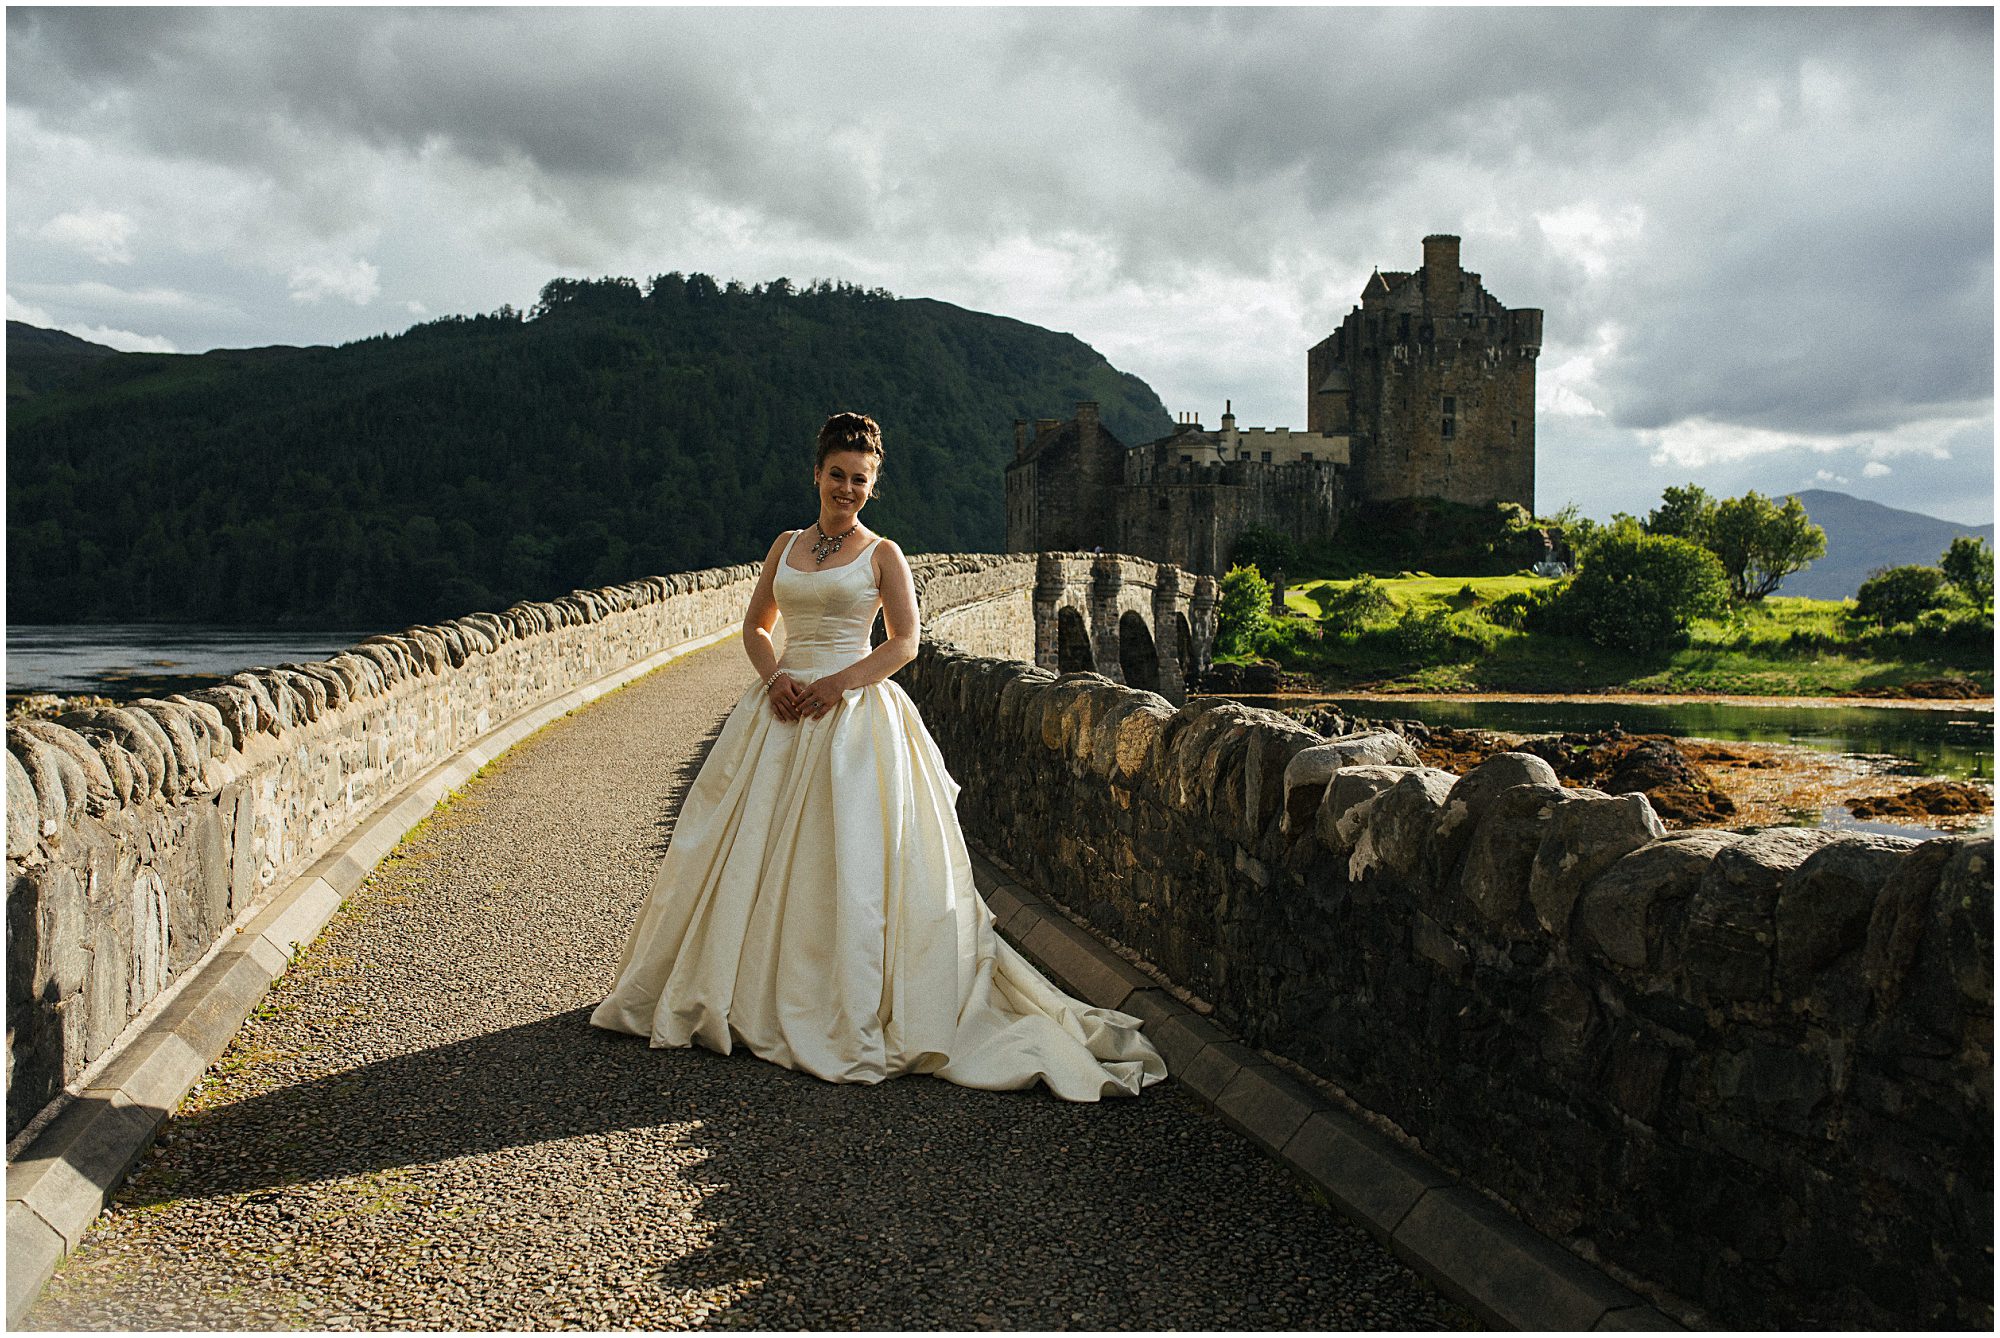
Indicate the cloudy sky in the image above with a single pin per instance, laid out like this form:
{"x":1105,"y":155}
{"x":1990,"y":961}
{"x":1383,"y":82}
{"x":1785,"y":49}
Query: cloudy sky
{"x":1763,"y":238}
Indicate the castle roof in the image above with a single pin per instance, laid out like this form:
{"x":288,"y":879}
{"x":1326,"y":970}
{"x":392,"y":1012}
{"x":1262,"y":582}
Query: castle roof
{"x":1381,"y":283}
{"x":1042,"y":443}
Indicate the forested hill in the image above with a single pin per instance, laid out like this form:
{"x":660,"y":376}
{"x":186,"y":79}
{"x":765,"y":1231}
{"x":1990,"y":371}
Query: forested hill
{"x":609,"y":433}
{"x":38,"y":359}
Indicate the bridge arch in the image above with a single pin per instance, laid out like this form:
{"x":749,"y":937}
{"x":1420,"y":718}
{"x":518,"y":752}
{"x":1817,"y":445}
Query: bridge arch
{"x":1138,"y":657}
{"x":1147,"y":624}
{"x":1072,"y":642}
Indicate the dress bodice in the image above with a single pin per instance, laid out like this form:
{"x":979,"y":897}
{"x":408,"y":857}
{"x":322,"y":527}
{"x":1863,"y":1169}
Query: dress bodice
{"x":827,"y":613}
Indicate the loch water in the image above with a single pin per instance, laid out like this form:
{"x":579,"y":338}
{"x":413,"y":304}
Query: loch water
{"x":1953,"y":741}
{"x":127,"y":661}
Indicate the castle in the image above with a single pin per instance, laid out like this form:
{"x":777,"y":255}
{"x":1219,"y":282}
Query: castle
{"x":1427,"y":389}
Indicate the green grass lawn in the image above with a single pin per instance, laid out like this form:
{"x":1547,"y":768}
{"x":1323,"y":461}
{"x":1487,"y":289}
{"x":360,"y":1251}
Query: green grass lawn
{"x":1777,"y":648}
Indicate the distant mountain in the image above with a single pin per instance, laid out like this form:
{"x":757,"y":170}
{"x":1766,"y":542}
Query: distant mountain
{"x":1862,"y":536}
{"x":613,"y":432}
{"x":38,"y":359}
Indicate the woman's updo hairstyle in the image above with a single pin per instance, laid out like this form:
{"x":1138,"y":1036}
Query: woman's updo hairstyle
{"x":850,"y":432}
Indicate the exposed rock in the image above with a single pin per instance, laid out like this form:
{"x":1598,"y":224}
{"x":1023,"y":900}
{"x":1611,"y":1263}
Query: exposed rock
{"x":1933,"y":799}
{"x":1948,"y":688}
{"x":1655,"y":765}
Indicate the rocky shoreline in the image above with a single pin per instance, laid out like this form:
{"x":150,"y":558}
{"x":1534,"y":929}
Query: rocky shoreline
{"x":1699,"y":782}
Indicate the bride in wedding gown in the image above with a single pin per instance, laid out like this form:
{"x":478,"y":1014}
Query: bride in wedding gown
{"x":816,"y":900}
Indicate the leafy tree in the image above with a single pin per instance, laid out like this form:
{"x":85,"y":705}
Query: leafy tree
{"x":1242,"y":612}
{"x":1968,"y":564}
{"x":1641,"y":592}
{"x":1267,"y":550}
{"x":1761,"y":543}
{"x":1899,"y":594}
{"x":1685,"y":513}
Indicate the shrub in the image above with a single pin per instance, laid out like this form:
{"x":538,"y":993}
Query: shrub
{"x":1355,"y":605}
{"x":1640,"y":592}
{"x":1423,"y":635}
{"x":1242,"y":612}
{"x":1899,"y":594}
{"x":1531,"y":610}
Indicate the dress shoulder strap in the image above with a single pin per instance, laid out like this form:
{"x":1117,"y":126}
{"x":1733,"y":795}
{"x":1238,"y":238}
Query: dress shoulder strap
{"x":785,"y":558}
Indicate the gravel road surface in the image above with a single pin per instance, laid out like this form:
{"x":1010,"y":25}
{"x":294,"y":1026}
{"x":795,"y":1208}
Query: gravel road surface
{"x":419,"y":1129}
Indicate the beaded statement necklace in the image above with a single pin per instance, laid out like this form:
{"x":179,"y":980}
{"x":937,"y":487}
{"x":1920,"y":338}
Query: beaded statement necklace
{"x":827,"y":545}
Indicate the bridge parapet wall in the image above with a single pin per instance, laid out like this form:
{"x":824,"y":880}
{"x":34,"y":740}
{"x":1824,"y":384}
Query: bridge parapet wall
{"x":137,"y":836}
{"x":1754,"y":1069}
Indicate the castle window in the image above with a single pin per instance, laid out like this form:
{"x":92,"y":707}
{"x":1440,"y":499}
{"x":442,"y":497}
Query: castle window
{"x":1450,"y":426}
{"x":1187,"y":459}
{"x":1403,"y":328}
{"x":1306,"y":456}
{"x":1514,"y":428}
{"x":1243,"y":455}
{"x":1267,"y":457}
{"x":1450,"y":405}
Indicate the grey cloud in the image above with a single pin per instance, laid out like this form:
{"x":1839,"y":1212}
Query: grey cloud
{"x":1835,"y":279}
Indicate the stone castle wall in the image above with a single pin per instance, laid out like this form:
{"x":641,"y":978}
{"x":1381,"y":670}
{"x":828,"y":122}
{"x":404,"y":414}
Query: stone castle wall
{"x":1755,"y":1069}
{"x":1192,"y":514}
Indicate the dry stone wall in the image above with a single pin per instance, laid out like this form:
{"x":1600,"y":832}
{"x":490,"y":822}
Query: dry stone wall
{"x":1755,"y":1068}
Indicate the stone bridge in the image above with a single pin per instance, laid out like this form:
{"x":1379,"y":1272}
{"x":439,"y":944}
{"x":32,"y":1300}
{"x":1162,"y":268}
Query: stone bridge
{"x":262,"y":948}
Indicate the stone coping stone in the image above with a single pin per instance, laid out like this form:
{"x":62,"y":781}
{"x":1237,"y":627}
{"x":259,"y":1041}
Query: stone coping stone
{"x":1505,"y":1273}
{"x":62,"y":1179}
{"x":1502,"y":1270}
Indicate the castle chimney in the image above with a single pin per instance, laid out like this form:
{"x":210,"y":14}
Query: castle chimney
{"x":1228,"y":418}
{"x":1441,"y":272}
{"x":1086,"y":424}
{"x":1020,"y":437}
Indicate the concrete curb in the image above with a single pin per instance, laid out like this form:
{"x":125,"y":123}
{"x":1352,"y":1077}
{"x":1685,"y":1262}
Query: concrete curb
{"x":62,"y":1179}
{"x":1499,"y":1268}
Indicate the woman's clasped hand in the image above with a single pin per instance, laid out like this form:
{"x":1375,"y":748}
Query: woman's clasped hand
{"x":792,"y":700}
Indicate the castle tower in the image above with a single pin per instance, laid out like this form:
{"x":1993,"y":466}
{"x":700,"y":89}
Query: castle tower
{"x":1434,"y":381}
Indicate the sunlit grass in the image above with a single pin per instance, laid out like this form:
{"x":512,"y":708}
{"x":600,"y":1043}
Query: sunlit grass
{"x":1778,"y":647}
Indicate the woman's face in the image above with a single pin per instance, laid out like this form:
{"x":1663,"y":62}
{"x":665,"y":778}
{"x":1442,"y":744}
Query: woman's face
{"x":846,"y":480}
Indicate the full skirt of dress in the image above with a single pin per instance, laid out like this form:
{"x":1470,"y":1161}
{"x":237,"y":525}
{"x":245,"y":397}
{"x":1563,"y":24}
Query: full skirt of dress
{"x":816,"y":904}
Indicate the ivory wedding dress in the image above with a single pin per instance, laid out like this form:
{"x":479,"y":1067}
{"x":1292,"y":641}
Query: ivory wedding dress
{"x":816,"y":900}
